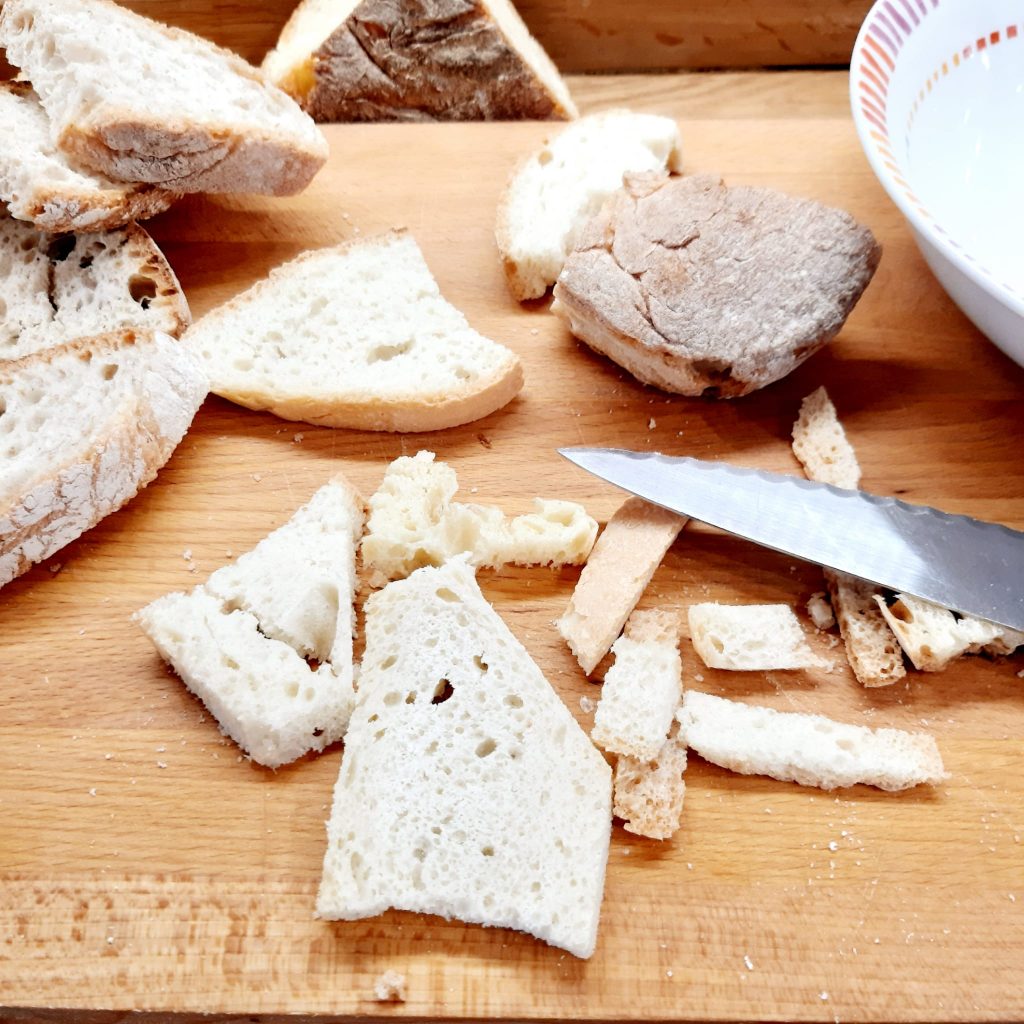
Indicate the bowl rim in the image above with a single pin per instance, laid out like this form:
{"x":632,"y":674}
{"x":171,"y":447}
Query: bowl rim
{"x":899,"y":26}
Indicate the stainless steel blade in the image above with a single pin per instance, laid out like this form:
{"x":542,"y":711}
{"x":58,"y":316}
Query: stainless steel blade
{"x":964,"y":564}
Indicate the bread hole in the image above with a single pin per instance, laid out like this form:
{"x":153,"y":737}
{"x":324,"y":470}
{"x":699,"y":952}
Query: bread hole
{"x":373,"y":718}
{"x":3,"y":406}
{"x":109,"y":371}
{"x":480,"y":664}
{"x":436,"y":830}
{"x":317,"y":733}
{"x":513,"y":700}
{"x":410,"y":697}
{"x":419,"y":853}
{"x":461,"y":373}
{"x":487,"y":851}
{"x":448,"y":595}
{"x":900,"y":611}
{"x":926,"y":651}
{"x":230,"y":663}
{"x":3,"y":308}
{"x":142,"y":289}
{"x":379,"y":735}
{"x":486,"y":748}
{"x":312,"y":664}
{"x":442,"y":692}
{"x":385,"y":353}
{"x":392,"y":698}
{"x":825,"y":727}
{"x":535,"y":887}
{"x":85,"y":262}
{"x":239,"y":364}
{"x":60,"y":248}
{"x":292,"y":689}
{"x":432,"y":749}
{"x":388,"y":662}
{"x":309,"y":693}
{"x":716,"y":642}
{"x":544,"y":157}
{"x":845,"y":745}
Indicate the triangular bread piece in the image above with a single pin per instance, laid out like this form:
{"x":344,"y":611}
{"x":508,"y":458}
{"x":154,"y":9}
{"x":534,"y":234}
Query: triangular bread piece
{"x":355,"y":336}
{"x":466,"y":787}
{"x":83,"y":428}
{"x":39,"y":184}
{"x":137,"y":101}
{"x":381,"y":60}
{"x":57,"y":288}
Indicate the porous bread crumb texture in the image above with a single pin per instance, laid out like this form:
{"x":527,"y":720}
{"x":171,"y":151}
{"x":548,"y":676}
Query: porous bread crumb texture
{"x":820,"y":443}
{"x":554,"y":191}
{"x":414,"y":523}
{"x":809,"y":749}
{"x":357,"y":336}
{"x":871,"y":646}
{"x":54,"y":289}
{"x":820,"y":611}
{"x":933,"y":636}
{"x":649,"y":795}
{"x":390,"y":987}
{"x":266,"y":642}
{"x":83,"y":428}
{"x":439,"y":60}
{"x":208,"y":121}
{"x":466,"y":787}
{"x":701,"y":289}
{"x":39,"y":184}
{"x":750,"y":638}
{"x":623,"y":560}
{"x":642,"y":689}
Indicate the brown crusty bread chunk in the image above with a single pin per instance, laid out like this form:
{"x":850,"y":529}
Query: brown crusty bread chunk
{"x":698,"y":288}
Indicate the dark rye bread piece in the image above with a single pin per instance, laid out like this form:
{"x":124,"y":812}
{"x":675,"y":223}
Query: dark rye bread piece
{"x":702,"y":289}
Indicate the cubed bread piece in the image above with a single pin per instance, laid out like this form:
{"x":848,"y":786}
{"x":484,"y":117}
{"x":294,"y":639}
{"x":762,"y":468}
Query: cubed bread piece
{"x":750,"y":638}
{"x":648,"y":795}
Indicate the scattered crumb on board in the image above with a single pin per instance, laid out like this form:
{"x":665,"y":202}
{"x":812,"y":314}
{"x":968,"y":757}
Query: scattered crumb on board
{"x":389,"y":988}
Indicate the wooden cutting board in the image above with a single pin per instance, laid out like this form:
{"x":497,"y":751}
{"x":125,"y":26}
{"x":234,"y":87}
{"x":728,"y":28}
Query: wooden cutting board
{"x":145,"y":865}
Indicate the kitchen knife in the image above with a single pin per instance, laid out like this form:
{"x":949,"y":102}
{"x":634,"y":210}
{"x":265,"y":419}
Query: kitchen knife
{"x":969,"y":566}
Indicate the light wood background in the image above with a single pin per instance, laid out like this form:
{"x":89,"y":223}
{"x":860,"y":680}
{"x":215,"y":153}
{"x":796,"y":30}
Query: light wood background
{"x":145,"y":866}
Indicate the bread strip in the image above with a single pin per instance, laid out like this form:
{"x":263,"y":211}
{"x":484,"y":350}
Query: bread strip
{"x":648,"y":795}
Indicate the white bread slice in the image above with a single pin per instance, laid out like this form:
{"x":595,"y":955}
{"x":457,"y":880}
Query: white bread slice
{"x":933,"y":636}
{"x":414,"y":522}
{"x":649,"y":795}
{"x":821,"y":445}
{"x":55,"y":289}
{"x":809,"y":749}
{"x":240,"y":642}
{"x":378,"y":60}
{"x":617,"y":572}
{"x":466,"y":787}
{"x":556,"y":190}
{"x":750,"y":638}
{"x":642,"y":689}
{"x":39,"y":184}
{"x":136,"y":101}
{"x":83,"y":428}
{"x":356,"y":336}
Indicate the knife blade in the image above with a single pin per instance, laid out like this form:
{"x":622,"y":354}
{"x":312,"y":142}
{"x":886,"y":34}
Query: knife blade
{"x":966,"y":565}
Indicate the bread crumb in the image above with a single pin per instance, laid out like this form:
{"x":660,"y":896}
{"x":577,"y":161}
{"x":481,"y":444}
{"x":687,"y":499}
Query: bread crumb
{"x":833,"y":846}
{"x":668,"y":974}
{"x":586,"y":705}
{"x":92,"y":792}
{"x":257,"y":477}
{"x":389,"y":988}
{"x":187,"y":554}
{"x":297,"y":439}
{"x":57,"y":566}
{"x":161,"y":764}
{"x":534,"y":331}
{"x":823,"y":996}
{"x":652,"y":423}
{"x":820,"y":611}
{"x":748,"y":963}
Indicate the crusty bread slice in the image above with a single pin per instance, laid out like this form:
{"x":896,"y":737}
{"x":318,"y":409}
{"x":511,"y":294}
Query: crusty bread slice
{"x":466,"y":787}
{"x":617,"y":572}
{"x":83,"y":428}
{"x":648,"y":795}
{"x":553,"y":192}
{"x":427,"y":60}
{"x":243,"y":641}
{"x":57,"y":288}
{"x":750,"y":638}
{"x":933,"y":636}
{"x":821,"y":445}
{"x":809,"y":749}
{"x":39,"y":184}
{"x":642,"y":689}
{"x":356,"y":336}
{"x":414,"y":522}
{"x":136,"y":101}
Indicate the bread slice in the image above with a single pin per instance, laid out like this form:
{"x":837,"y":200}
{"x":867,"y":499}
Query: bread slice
{"x":356,"y":336}
{"x":642,"y":689}
{"x":933,"y":636}
{"x":617,"y":572}
{"x":648,"y":795}
{"x":55,"y":289}
{"x":821,"y":445}
{"x":809,"y":749}
{"x":553,"y":192}
{"x":83,"y":428}
{"x":414,"y":522}
{"x":136,"y":101}
{"x":39,"y":184}
{"x":701,"y":289}
{"x":378,"y":60}
{"x":244,"y":641}
{"x":750,"y":638}
{"x":466,"y":788}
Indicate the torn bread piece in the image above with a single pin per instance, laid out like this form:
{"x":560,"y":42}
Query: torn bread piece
{"x":266,"y":643}
{"x":39,"y":184}
{"x":809,"y":749}
{"x":642,"y":689}
{"x":414,"y":522}
{"x":427,"y":60}
{"x":933,"y":636}
{"x":649,"y":795}
{"x":54,"y":289}
{"x":750,"y":638}
{"x":356,"y":336}
{"x":823,"y":449}
{"x":466,"y":787}
{"x":617,"y":572}
{"x":553,"y":192}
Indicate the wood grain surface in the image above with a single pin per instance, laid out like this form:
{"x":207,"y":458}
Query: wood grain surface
{"x":144,"y":865}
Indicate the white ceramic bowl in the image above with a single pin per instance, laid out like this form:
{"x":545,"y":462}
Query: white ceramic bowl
{"x":937,"y":89}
